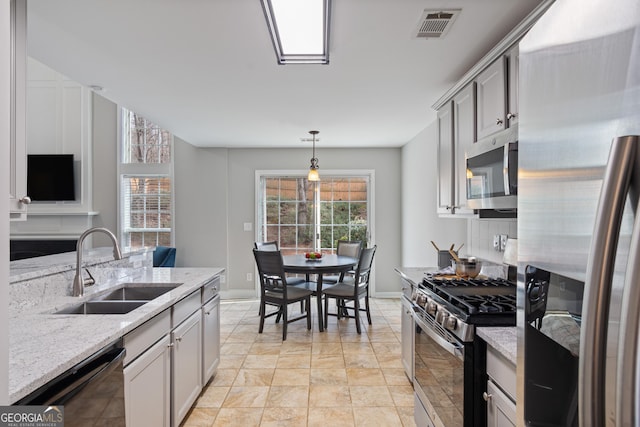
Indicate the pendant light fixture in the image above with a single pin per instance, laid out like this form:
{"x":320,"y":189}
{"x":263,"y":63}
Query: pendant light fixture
{"x":313,"y":170}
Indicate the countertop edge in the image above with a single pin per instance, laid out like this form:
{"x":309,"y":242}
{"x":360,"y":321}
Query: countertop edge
{"x":502,"y":338}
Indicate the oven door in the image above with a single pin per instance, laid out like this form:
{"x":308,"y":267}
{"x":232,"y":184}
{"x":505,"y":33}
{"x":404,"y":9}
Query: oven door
{"x":439,"y":372}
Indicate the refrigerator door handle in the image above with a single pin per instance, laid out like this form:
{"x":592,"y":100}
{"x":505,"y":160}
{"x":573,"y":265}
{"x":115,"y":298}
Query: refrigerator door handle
{"x":627,"y":375}
{"x":600,"y":268}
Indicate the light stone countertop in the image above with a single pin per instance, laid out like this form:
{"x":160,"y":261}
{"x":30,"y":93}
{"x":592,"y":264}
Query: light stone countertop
{"x":503,"y":339}
{"x":414,"y":275}
{"x":30,"y":268}
{"x":44,"y":345}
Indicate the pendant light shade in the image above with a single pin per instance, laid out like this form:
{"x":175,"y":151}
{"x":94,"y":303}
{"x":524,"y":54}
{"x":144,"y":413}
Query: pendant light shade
{"x":313,"y":169}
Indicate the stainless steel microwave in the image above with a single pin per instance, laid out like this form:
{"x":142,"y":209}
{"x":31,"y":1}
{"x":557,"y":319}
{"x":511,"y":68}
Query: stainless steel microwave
{"x":492,"y":173}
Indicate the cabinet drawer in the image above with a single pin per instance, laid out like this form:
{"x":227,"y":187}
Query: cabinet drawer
{"x":186,"y":307}
{"x":210,"y":290}
{"x":145,"y":335}
{"x":501,"y":371}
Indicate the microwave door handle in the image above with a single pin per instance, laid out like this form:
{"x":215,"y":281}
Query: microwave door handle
{"x":597,"y":292}
{"x":627,"y":375}
{"x":505,"y":169}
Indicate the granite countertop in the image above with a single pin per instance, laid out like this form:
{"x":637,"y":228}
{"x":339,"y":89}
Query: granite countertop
{"x":43,"y":345}
{"x":414,"y":275}
{"x":503,"y":339}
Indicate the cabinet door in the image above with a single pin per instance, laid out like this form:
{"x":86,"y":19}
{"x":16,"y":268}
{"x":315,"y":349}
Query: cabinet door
{"x":464,"y":135}
{"x":491,"y":87}
{"x":187,"y":365}
{"x":210,"y":338}
{"x":407,"y":328}
{"x":512,"y":83}
{"x":147,"y":387}
{"x":17,"y":141}
{"x":445,"y":159}
{"x":501,"y":411}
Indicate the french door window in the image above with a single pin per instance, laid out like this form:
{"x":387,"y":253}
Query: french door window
{"x":290,"y":208}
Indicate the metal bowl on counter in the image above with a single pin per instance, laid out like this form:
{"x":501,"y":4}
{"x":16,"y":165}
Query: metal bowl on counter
{"x":467,"y":267}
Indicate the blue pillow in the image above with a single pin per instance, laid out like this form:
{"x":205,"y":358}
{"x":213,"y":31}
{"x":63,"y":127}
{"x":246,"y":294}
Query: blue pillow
{"x":164,"y":256}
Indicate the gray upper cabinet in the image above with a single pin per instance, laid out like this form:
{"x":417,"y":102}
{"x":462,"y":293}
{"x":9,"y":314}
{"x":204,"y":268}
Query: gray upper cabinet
{"x":512,"y":106}
{"x":446,"y":185}
{"x":464,"y":135}
{"x":18,"y":199}
{"x":492,"y":98}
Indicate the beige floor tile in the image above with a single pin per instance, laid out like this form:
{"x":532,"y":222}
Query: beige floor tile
{"x":402,"y":395}
{"x":291,"y":377}
{"x":242,"y":337}
{"x":406,"y":416}
{"x":355,"y":337}
{"x":224,"y":377}
{"x":333,"y":376}
{"x":377,"y":416}
{"x":231,"y":361}
{"x":384,"y":337}
{"x":294,"y":361}
{"x":357,"y":347}
{"x":389,"y":361}
{"x":238,"y":417}
{"x":212,"y":397}
{"x":284,"y":417}
{"x":395,"y":376}
{"x":288,"y":397}
{"x":327,"y":361}
{"x":365,"y":376}
{"x":330,"y":348}
{"x":256,"y":361}
{"x":246,"y":397}
{"x":254,"y":377}
{"x":292,"y":348}
{"x":235,"y":348}
{"x":329,"y":396}
{"x":200,"y":417}
{"x":356,"y":360}
{"x":334,"y":417}
{"x":370,"y":396}
{"x":265,"y":348}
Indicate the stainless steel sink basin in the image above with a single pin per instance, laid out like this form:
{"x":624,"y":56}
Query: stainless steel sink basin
{"x":102,"y":307}
{"x":137,"y":292}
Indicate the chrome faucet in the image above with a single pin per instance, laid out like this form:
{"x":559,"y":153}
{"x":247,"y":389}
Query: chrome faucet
{"x":78,"y":282}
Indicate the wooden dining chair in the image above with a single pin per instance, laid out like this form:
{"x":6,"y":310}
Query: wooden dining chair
{"x":275,"y":291}
{"x":354,"y":291}
{"x":350,"y":248}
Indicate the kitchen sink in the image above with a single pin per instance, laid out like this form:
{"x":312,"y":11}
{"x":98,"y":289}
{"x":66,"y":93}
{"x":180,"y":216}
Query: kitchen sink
{"x":137,"y":292}
{"x":102,"y":307}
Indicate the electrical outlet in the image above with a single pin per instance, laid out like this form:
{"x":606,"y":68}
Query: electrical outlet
{"x":249,"y":277}
{"x":503,"y":242}
{"x":496,"y":242}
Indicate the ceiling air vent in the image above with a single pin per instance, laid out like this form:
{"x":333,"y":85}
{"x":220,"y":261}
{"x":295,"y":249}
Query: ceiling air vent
{"x":436,"y":23}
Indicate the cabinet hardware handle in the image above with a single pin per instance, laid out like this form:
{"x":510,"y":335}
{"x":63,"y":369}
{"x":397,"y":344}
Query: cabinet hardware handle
{"x":178,"y":339}
{"x":207,"y":313}
{"x":486,"y":396}
{"x":499,"y":121}
{"x":170,"y":345}
{"x":511,"y":116}
{"x":26,"y":200}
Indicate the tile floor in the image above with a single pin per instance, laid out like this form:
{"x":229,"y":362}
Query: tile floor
{"x":331,"y":378}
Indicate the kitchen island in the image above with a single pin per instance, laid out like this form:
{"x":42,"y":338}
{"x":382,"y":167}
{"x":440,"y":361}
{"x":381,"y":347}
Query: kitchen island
{"x":43,"y":345}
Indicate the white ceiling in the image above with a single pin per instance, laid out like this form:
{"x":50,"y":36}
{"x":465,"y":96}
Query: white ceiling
{"x":206,"y":70}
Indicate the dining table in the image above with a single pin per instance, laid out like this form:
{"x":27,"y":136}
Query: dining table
{"x":327,"y":264}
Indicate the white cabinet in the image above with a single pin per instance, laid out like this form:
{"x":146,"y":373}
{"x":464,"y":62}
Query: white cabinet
{"x":186,"y":375}
{"x":407,"y":328}
{"x":210,"y":338}
{"x":501,"y":390}
{"x":501,"y":411}
{"x":513,"y":57}
{"x":445,"y":159}
{"x":18,"y":199}
{"x":147,"y":387}
{"x":492,"y":98}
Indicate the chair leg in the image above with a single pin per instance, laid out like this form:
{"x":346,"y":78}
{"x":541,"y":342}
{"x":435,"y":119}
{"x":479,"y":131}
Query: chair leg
{"x":308,"y":305}
{"x":279,"y":315}
{"x":326,"y":310}
{"x":262,"y":308}
{"x":356,"y":313}
{"x":284,"y":322}
{"x":366,"y":305}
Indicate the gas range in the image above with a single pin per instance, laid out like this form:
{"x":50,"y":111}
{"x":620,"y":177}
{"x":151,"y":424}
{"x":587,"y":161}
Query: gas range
{"x":458,"y":305}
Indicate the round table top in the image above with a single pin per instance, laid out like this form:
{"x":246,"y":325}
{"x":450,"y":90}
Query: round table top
{"x":328,"y":263}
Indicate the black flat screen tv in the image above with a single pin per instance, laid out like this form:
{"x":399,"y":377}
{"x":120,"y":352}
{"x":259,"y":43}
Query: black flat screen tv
{"x":50,"y":177}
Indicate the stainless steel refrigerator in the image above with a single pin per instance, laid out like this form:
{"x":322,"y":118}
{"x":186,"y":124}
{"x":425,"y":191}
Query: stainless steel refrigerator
{"x":578,"y":217}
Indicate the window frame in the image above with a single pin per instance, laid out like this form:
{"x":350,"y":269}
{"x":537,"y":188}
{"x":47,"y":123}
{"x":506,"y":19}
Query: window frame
{"x":144,"y":170}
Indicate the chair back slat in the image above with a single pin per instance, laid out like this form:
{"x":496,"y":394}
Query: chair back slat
{"x":266,"y":246}
{"x":271,"y":271}
{"x":363,"y":270}
{"x":349,"y":248}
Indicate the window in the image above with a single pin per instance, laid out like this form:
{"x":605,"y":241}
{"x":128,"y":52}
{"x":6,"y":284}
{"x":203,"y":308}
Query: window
{"x":287,"y":204}
{"x":146,"y":195}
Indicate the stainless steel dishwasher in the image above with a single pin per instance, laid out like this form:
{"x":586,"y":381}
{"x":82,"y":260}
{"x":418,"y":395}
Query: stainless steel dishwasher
{"x":92,"y":392}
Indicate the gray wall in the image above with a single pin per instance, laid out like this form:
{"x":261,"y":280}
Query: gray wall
{"x":420,"y":223}
{"x":215,"y":196}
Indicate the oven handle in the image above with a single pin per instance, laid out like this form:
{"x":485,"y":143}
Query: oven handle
{"x":455,"y":349}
